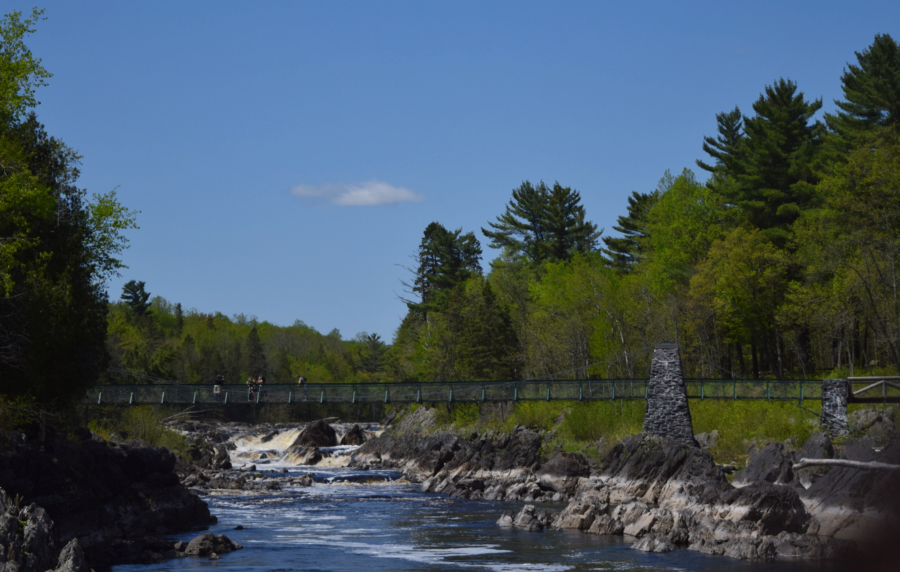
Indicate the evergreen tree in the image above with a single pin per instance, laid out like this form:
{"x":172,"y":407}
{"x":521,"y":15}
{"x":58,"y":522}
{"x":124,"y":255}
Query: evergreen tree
{"x":255,"y":355}
{"x":488,"y":339}
{"x":566,"y":230}
{"x":136,"y":297}
{"x":541,"y":224}
{"x":372,"y":359}
{"x":726,"y":148}
{"x":445,"y":259}
{"x":179,"y":318}
{"x":871,"y":90}
{"x":776,"y":172}
{"x":623,"y":253}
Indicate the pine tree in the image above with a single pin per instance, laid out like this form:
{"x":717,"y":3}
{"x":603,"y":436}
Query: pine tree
{"x":136,"y":297}
{"x":726,"y":148}
{"x":776,"y":173}
{"x":445,"y":260}
{"x":566,"y":230}
{"x":541,"y":224}
{"x":872,"y":92}
{"x":624,"y":252}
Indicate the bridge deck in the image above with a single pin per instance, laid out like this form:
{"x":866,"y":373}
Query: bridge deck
{"x":493,"y":391}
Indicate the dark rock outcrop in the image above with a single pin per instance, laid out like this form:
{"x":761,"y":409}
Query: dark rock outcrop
{"x":355,"y":436}
{"x":492,"y":465}
{"x":115,"y":499}
{"x":818,"y":446}
{"x":771,"y":465}
{"x":852,"y":504}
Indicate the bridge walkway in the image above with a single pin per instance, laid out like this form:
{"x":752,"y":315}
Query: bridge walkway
{"x":463,"y":391}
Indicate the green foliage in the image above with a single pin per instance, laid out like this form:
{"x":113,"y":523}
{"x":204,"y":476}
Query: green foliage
{"x":625,"y":252}
{"x":140,"y":422}
{"x":193,"y":347}
{"x":543,"y":223}
{"x":871,"y":90}
{"x":20,"y":72}
{"x":136,"y":297}
{"x":57,"y":247}
{"x":445,"y":260}
{"x":727,"y":148}
{"x":776,"y":173}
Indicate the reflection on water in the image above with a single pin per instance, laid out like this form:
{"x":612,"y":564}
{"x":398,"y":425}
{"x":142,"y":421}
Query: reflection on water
{"x":391,"y":526}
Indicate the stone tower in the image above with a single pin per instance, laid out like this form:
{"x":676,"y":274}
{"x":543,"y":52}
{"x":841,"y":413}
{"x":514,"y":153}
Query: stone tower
{"x":668,"y":414}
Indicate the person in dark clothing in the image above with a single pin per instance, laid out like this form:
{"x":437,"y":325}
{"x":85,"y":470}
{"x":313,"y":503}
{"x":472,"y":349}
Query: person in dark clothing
{"x":301,"y":382}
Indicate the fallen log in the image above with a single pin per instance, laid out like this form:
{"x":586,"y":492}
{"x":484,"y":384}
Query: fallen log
{"x":870,"y":466}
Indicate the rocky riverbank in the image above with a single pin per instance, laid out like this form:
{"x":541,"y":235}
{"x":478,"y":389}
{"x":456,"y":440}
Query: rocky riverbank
{"x":664,"y":494}
{"x":90,"y":502}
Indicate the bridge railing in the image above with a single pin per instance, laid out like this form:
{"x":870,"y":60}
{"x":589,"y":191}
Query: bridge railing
{"x":470,"y":391}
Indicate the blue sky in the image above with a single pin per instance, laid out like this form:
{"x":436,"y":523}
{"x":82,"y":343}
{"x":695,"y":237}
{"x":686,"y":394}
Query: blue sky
{"x":286,"y":156}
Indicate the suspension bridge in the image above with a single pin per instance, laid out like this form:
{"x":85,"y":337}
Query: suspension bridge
{"x":460,"y":391}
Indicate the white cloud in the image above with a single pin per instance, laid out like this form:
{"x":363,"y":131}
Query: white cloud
{"x":368,"y":194}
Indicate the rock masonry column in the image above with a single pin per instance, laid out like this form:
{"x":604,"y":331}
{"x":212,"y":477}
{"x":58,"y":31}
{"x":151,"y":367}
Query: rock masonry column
{"x":834,"y":407}
{"x":668,"y":414}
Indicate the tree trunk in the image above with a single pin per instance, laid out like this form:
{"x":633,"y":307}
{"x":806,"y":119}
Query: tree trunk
{"x":870,"y":466}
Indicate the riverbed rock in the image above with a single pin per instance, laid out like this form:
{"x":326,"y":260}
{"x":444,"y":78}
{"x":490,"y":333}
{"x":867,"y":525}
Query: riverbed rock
{"x":562,"y":473}
{"x":770,"y":465}
{"x":858,"y":505}
{"x":316,"y":434}
{"x":817,"y":446}
{"x":71,"y":558}
{"x":207,"y":544}
{"x":355,"y":436}
{"x":110,"y":497}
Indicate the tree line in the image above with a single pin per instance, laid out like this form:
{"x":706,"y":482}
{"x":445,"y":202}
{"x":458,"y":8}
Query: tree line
{"x":158,"y":339}
{"x":784,"y":263}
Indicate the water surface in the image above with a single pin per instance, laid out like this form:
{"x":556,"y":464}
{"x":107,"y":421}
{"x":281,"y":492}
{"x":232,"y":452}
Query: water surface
{"x":392,"y":526}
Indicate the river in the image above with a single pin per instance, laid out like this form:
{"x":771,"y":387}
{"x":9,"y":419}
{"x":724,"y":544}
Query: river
{"x":373,"y":521}
{"x":391,"y":526}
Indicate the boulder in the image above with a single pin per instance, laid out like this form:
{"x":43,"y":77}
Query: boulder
{"x":71,"y":558}
{"x":207,"y":544}
{"x":531,"y":519}
{"x":355,"y":436}
{"x":771,"y":465}
{"x":316,"y":434}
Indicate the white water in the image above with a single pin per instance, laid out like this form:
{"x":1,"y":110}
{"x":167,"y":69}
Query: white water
{"x":274,"y":453}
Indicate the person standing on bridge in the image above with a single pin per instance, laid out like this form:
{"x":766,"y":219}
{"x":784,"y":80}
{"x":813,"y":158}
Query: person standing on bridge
{"x":217,"y":386}
{"x":251,"y":389}
{"x":301,"y":382}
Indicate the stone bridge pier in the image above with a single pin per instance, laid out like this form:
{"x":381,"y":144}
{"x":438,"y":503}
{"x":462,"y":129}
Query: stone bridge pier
{"x":668,"y":414}
{"x":834,"y":407}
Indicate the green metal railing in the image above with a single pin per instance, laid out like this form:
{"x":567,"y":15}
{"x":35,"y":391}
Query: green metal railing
{"x":461,"y":391}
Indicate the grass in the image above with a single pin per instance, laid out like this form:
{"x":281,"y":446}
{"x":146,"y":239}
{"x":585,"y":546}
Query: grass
{"x":140,"y":422}
{"x":593,"y":427}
